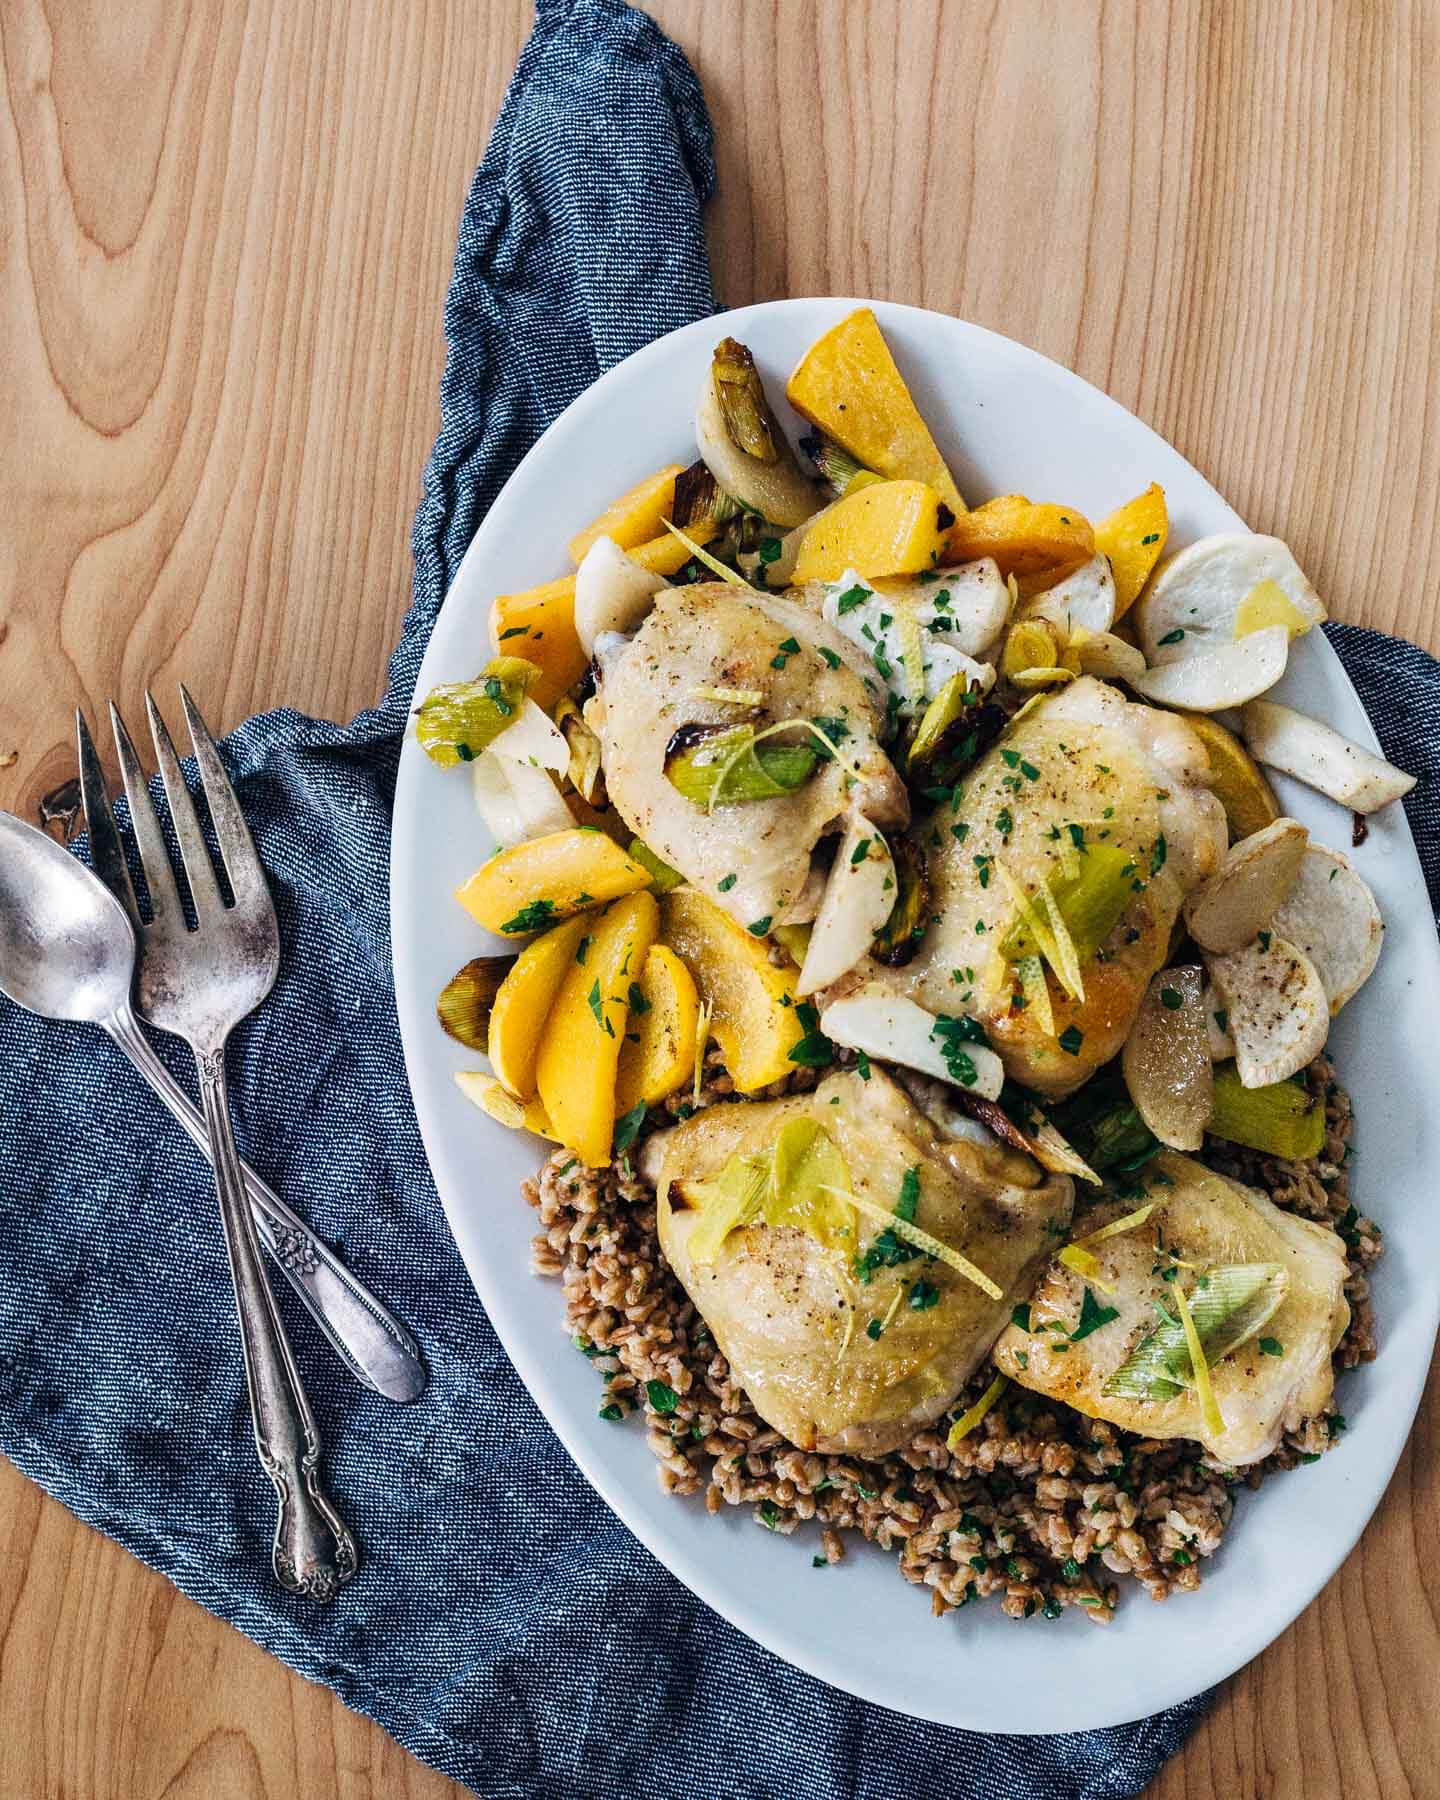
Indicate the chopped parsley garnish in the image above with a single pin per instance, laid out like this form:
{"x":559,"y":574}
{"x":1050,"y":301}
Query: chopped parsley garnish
{"x":727,"y":883}
{"x":627,"y":1127}
{"x":1010,"y":758}
{"x":1173,"y":637}
{"x":905,"y":1206}
{"x":532,"y":917}
{"x":788,"y":649}
{"x":982,"y":864}
{"x":582,"y":949}
{"x":1264,"y":937}
{"x":1169,"y":997}
{"x":639,"y":1005}
{"x":923,"y":1295}
{"x":661,"y":1396}
{"x":862,"y":1065}
{"x":1092,"y":1317}
{"x":1158,"y":855}
{"x":495,"y":694}
{"x":851,"y":598}
{"x":1071,"y":1038}
{"x":1271,"y":1347}
{"x":960,"y":832}
{"x":611,"y":1411}
{"x":1021,"y":1316}
{"x":1077,"y":835}
{"x":514,"y":631}
{"x":769,"y":1514}
{"x":1004,"y":821}
{"x":819,"y":1562}
{"x":832,"y":661}
{"x":1029,"y":771}
{"x":860,"y":852}
{"x":873,"y":1331}
{"x":882,"y":662}
{"x":769,"y":550}
{"x":758,"y":927}
{"x":597,"y":1006}
{"x":1150,"y":537}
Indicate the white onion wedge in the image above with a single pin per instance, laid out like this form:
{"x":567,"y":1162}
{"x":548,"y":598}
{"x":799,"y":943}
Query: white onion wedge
{"x":1277,"y":1011}
{"x":516,"y":800}
{"x":1084,"y":600}
{"x":1229,"y":675}
{"x":1242,"y":897}
{"x":893,"y":1029}
{"x":858,"y":898}
{"x":1199,"y":596}
{"x":1166,"y":1059}
{"x":612,"y":592}
{"x":1331,"y":915}
{"x":1319,"y":756}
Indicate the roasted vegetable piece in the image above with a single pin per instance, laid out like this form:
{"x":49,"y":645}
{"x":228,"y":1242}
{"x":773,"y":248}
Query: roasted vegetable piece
{"x":955,"y":728}
{"x":1285,"y":1119}
{"x":485,"y":1091}
{"x":888,"y":528}
{"x":837,"y":466}
{"x":540,"y":625}
{"x":467,"y":997}
{"x":742,"y":442}
{"x":1212,"y":680}
{"x":1246,"y":891}
{"x":1221,"y":589}
{"x":454,"y":723}
{"x":1038,"y":544}
{"x":1133,"y":537}
{"x":753,"y":1014}
{"x":579,"y":1055}
{"x":525,"y":998}
{"x":1167,"y":1059}
{"x":666,"y":554}
{"x":720,"y":766}
{"x":1230,"y":1304}
{"x":847,"y":384}
{"x":635,"y":517}
{"x":1279,"y":1016}
{"x":536,"y":884}
{"x":700,"y":500}
{"x":1235,"y":778}
{"x":613,"y":592}
{"x":896,"y":939}
{"x":856,"y":900}
{"x":584,"y":774}
{"x":1318,"y":755}
{"x":1332,"y":916}
{"x":658,"y":1054}
{"x":662,"y":876}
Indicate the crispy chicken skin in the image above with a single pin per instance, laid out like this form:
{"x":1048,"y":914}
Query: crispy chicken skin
{"x":1124,"y":775}
{"x":1204,"y":1219}
{"x":792,"y":1316}
{"x":716,"y":636}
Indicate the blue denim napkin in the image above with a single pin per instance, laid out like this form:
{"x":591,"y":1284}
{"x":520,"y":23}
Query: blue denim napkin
{"x":505,"y":1627}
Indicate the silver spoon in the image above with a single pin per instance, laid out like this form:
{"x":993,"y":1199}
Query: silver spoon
{"x":67,"y":952}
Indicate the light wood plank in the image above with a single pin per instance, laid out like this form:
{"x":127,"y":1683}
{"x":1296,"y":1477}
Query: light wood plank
{"x":225,"y":233}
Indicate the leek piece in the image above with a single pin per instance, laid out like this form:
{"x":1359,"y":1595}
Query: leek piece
{"x":968,"y":1420}
{"x":726,"y":767}
{"x":1205,"y":1389}
{"x":810,"y":1184}
{"x":932,"y":1246}
{"x":466,"y":999}
{"x":712,"y":563}
{"x":837,"y":466}
{"x":1090,"y":892}
{"x":727,"y":1201}
{"x":1030,"y":645}
{"x":794,"y":940}
{"x":584,"y":773}
{"x":1229,"y":1305}
{"x":912,"y":652}
{"x":700,"y":500}
{"x":1282,"y":1119}
{"x":897,"y":938}
{"x":454,"y":723}
{"x":662,"y":876}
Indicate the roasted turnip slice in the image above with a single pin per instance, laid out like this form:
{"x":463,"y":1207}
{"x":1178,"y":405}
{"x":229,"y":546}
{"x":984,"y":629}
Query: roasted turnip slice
{"x":1275,"y":1005}
{"x":1221,"y":589}
{"x":857,"y":900}
{"x":1320,"y":757}
{"x":1084,"y":600}
{"x":1166,"y":1059}
{"x":1331,"y":915}
{"x":1242,"y":897}
{"x":1228,"y":675}
{"x":612,"y":592}
{"x":893,"y":1029}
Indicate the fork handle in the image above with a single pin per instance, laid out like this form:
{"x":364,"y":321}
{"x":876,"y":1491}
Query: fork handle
{"x":313,"y":1553}
{"x":368,"y":1339}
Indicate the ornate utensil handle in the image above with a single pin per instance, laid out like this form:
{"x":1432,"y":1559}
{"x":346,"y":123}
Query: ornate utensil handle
{"x":368,"y":1339}
{"x":314,"y":1553}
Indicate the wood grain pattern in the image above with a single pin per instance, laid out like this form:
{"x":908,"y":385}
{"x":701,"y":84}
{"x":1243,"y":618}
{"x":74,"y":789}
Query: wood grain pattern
{"x":225,"y":233}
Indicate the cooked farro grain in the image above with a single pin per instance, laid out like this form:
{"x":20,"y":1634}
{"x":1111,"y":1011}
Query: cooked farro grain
{"x":1040,"y":1507}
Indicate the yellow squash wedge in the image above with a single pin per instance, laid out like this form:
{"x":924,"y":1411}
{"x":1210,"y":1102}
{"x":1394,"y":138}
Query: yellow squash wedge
{"x":753,"y":1002}
{"x":848,"y":385}
{"x":666,"y":554}
{"x":580,"y":1045}
{"x":888,"y":528}
{"x":536,"y":884}
{"x":1133,"y":537}
{"x":1038,"y":544}
{"x":524,"y":1001}
{"x":539,"y":625}
{"x":635,"y":517}
{"x":658,"y":1055}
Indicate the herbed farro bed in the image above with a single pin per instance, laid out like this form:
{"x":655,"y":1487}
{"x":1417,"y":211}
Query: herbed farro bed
{"x":1040,"y":1507}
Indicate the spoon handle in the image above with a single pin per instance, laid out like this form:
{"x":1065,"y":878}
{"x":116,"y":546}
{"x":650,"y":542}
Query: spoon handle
{"x":313,"y":1552}
{"x":368,"y":1339}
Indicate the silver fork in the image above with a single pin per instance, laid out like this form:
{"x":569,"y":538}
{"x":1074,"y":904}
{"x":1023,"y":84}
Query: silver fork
{"x":199,"y":985}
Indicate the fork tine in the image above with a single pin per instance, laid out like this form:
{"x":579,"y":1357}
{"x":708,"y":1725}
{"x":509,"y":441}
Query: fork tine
{"x":154,"y":853}
{"x":107,"y":858}
{"x":237,"y":847}
{"x":199,"y":870}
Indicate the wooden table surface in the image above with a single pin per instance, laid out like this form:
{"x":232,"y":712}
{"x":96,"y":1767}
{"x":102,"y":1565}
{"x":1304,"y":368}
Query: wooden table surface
{"x":225,"y":235}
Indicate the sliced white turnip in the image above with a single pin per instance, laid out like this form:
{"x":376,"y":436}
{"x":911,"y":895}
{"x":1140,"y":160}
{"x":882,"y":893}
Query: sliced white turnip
{"x":1331,"y":915}
{"x":1275,"y":1007}
{"x":1220,"y":589}
{"x":1228,"y":675}
{"x":612,"y":592}
{"x":532,"y":737}
{"x":1319,"y":756}
{"x":858,"y":898}
{"x":1083,"y":600}
{"x":1166,"y":1059}
{"x":893,"y":1029}
{"x":1242,"y":897}
{"x":1217,"y":1027}
{"x":1102,"y":653}
{"x":516,"y":800}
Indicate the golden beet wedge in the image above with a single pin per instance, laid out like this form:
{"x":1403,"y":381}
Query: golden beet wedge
{"x":1133,"y":537}
{"x":536,"y":884}
{"x":753,"y":1002}
{"x":658,"y":1055}
{"x":888,"y":528}
{"x":524,"y":1000}
{"x":635,"y":517}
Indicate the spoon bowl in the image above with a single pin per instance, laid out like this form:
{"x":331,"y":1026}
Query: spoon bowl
{"x":66,"y":947}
